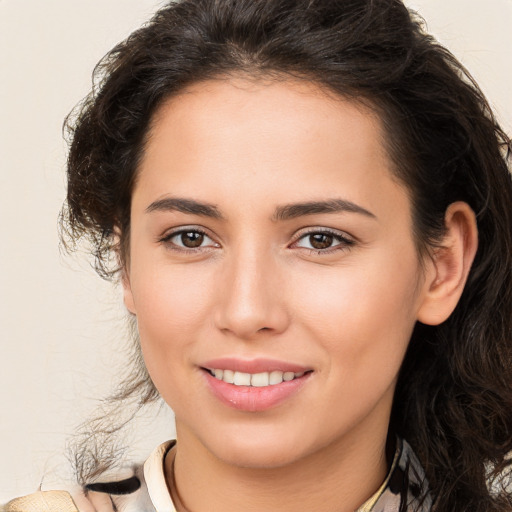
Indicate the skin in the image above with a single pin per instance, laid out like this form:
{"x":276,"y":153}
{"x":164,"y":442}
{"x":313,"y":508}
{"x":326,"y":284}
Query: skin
{"x":256,"y":288}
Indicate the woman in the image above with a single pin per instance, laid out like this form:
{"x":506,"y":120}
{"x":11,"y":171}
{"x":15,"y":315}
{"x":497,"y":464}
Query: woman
{"x":309,"y":205}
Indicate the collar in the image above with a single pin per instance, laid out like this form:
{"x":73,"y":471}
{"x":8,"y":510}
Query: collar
{"x":405,"y":487}
{"x":155,"y":478}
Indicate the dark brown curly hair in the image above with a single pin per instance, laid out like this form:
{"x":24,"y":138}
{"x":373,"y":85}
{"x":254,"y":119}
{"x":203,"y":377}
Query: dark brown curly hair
{"x":453,"y":400}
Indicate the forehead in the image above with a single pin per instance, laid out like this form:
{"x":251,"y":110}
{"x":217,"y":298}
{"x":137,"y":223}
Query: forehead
{"x":234,"y":137}
{"x":239,"y":108}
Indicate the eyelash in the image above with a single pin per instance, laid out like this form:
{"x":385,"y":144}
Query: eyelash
{"x":344,"y":242}
{"x":169,"y":236}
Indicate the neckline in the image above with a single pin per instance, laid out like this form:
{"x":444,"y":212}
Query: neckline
{"x":166,"y":498}
{"x":368,"y":505}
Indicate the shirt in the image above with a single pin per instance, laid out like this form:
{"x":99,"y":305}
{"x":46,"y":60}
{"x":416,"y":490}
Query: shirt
{"x":405,"y":489}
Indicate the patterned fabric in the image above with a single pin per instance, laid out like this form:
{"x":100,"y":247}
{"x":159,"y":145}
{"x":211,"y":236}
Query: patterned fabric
{"x":405,"y":489}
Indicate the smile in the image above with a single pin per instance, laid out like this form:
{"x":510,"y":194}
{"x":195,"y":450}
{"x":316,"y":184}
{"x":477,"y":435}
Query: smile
{"x":258,"y":380}
{"x":256,"y":390}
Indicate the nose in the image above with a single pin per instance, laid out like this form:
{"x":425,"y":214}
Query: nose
{"x":251,"y":297}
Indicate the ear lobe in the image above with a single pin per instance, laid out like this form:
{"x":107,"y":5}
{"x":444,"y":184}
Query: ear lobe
{"x":121,"y":251}
{"x":450,"y":264}
{"x":127,"y":292}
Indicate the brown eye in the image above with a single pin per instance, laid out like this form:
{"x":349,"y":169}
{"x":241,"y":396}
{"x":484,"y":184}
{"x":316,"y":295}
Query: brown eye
{"x":188,"y":239}
{"x":324,"y":242}
{"x":321,"y":240}
{"x":191,"y":239}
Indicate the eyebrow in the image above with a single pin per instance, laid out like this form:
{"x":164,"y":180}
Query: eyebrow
{"x":282,"y":213}
{"x":185,"y":206}
{"x":292,"y":211}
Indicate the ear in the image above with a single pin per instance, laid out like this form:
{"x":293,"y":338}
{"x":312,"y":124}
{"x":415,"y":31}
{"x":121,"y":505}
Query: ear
{"x":448,"y":269}
{"x":123,"y":262}
{"x":127,"y":291}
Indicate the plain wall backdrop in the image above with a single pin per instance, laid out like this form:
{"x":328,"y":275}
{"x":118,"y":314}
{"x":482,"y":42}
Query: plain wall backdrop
{"x":61,"y":327}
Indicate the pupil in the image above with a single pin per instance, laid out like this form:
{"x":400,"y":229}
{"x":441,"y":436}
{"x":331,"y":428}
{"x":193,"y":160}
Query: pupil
{"x":192,"y":239}
{"x":321,"y":241}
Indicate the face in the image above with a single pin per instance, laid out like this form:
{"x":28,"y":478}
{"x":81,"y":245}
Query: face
{"x":272,"y":270}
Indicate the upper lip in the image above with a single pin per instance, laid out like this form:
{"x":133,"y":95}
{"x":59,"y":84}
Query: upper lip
{"x":257,"y":365}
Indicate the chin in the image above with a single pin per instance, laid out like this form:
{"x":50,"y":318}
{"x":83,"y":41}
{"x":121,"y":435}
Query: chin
{"x":258,"y":456}
{"x":258,"y":449}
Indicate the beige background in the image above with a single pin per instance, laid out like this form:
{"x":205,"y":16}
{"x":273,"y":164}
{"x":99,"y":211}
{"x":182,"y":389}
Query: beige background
{"x":61,"y":326}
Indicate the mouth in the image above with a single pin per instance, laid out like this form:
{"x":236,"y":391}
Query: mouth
{"x":235,"y":385}
{"x":257,"y":380}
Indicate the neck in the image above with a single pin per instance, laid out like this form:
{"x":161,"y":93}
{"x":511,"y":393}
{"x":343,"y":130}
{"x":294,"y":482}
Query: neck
{"x":341,"y":476}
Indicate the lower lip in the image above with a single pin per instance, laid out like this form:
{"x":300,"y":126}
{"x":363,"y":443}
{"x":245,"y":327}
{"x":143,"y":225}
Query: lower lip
{"x":254,"y":399}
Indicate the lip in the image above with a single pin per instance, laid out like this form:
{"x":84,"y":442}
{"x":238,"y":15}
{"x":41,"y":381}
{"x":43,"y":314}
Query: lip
{"x":257,"y":365}
{"x":249,"y":398}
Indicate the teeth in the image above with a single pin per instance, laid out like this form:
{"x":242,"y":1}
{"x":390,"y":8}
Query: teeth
{"x":275,"y":377}
{"x":288,"y":376}
{"x":242,"y":379}
{"x":258,"y":380}
{"x":228,"y":376}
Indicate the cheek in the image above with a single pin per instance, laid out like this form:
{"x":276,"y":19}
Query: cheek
{"x":171,"y":306}
{"x":363,"y":325}
{"x":170,"y":295}
{"x":363,"y":316}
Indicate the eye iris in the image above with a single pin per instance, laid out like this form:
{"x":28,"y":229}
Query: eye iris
{"x":192,"y":239}
{"x":321,"y":241}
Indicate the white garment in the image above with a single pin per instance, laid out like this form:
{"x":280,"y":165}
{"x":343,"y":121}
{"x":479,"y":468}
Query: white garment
{"x":405,"y":488}
{"x":155,"y":479}
{"x":405,"y":469}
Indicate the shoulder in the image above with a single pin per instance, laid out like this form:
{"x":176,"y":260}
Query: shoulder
{"x":108,"y":493}
{"x":126,"y":495}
